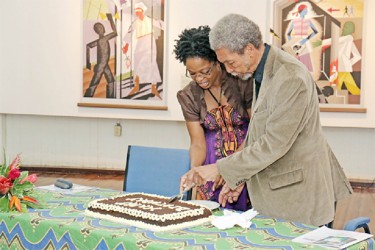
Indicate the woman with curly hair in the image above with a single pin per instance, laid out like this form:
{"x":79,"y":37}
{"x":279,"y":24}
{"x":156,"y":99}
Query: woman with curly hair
{"x":216,"y":107}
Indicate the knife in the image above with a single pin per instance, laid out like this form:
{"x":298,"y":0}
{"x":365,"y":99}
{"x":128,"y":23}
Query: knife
{"x":179,"y":196}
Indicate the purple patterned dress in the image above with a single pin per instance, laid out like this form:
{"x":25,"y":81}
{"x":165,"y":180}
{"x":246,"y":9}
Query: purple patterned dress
{"x":225,"y":130}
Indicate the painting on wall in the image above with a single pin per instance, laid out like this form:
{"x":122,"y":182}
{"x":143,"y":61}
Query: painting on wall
{"x":123,"y":51}
{"x":326,"y":36}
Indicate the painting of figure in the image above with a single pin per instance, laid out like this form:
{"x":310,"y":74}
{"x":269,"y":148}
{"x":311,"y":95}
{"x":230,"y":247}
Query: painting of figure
{"x":103,"y":53}
{"x":326,"y":36}
{"x":123,"y":43}
{"x":145,"y":50}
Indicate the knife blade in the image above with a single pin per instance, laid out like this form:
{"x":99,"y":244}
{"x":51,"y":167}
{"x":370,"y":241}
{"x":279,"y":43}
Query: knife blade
{"x":180,"y":195}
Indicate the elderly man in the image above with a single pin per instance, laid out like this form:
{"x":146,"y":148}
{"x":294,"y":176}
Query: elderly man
{"x":289,"y":169}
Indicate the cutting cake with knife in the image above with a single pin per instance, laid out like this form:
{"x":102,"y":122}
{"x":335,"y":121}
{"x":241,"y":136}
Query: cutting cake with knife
{"x":149,"y":211}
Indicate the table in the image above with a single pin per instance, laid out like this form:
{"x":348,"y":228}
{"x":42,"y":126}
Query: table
{"x":63,"y":226}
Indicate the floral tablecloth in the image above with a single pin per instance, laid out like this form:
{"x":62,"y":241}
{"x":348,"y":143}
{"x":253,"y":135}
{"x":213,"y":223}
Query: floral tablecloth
{"x":63,"y":226}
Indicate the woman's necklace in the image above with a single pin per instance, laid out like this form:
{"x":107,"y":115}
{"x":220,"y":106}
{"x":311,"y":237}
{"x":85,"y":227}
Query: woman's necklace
{"x":217,"y":101}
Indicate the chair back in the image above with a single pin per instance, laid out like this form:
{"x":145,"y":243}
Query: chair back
{"x":155,"y":170}
{"x":357,"y":223}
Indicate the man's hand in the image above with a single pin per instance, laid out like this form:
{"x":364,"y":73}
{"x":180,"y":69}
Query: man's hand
{"x":199,"y":176}
{"x":229,"y":195}
{"x":219,"y":181}
{"x":203,"y":174}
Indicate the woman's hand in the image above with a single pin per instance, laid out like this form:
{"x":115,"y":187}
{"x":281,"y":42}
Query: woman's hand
{"x":187,"y":180}
{"x":229,"y":195}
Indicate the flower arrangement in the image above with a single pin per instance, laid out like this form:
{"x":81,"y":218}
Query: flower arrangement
{"x":16,"y":188}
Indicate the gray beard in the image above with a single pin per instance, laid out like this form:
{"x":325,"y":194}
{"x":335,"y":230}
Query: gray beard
{"x":244,"y":76}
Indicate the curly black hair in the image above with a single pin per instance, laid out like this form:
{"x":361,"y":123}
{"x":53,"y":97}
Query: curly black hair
{"x":194,"y":42}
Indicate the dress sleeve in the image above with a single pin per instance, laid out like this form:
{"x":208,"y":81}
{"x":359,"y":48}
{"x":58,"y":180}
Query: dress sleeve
{"x":188,"y":104}
{"x":238,"y":92}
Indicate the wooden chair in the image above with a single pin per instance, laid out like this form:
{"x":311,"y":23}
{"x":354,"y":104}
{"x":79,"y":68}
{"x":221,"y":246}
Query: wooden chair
{"x":155,"y":170}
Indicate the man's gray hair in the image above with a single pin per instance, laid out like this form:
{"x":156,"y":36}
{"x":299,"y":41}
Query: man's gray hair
{"x":234,"y":32}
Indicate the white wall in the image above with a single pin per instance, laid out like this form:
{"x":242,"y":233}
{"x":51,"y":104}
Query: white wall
{"x":85,"y":142}
{"x":355,"y":150}
{"x":90,"y":142}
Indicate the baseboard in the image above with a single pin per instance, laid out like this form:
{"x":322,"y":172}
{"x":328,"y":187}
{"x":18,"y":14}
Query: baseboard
{"x":355,"y":183}
{"x":66,"y":170}
{"x":368,"y":186}
{"x":362,"y":183}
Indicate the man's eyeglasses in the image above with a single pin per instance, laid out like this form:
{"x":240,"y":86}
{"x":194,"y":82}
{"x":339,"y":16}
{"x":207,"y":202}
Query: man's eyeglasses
{"x":201,"y":74}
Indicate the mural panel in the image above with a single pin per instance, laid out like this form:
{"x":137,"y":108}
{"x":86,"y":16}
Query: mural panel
{"x":123,"y":44}
{"x":326,"y":36}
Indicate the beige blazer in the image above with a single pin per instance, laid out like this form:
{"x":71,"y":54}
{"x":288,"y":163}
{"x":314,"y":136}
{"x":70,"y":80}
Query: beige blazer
{"x":289,"y":168}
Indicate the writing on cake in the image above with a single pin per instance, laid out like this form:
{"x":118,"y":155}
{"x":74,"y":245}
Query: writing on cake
{"x":149,"y":211}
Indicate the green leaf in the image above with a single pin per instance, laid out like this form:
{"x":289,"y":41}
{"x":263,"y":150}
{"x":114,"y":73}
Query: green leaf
{"x":23,"y":175}
{"x":23,"y":207}
{"x":26,"y":185}
{"x":4,"y":204}
{"x":38,"y":205}
{"x":22,"y":189}
{"x":4,"y":163}
{"x":3,"y":170}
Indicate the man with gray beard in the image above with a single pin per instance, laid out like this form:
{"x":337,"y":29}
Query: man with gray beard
{"x":289,"y":169}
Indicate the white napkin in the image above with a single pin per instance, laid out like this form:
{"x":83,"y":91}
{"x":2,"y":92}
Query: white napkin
{"x":231,"y":218}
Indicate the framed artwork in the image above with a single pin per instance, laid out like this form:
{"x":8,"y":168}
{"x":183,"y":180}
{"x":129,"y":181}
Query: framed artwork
{"x":123,"y":51}
{"x":326,"y":36}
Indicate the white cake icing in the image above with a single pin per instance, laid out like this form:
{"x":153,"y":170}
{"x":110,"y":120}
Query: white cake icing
{"x":156,"y":213}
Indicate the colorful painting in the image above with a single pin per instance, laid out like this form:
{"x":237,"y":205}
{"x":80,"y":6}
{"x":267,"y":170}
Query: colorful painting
{"x":326,"y":36}
{"x":123,"y":44}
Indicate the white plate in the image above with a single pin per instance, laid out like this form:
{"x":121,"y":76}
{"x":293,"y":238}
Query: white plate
{"x":210,"y":204}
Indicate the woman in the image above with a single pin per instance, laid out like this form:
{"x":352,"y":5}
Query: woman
{"x":216,"y":107}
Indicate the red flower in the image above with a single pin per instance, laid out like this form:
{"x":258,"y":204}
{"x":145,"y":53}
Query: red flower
{"x":15,"y":163}
{"x":31,"y":178}
{"x":5,"y":185}
{"x":12,"y":190}
{"x":14,"y":173}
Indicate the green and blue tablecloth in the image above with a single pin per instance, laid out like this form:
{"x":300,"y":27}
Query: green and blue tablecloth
{"x":63,"y":226}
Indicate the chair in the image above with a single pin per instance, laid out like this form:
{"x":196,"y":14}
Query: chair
{"x":354,"y":224}
{"x":360,"y":222}
{"x":155,"y":170}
